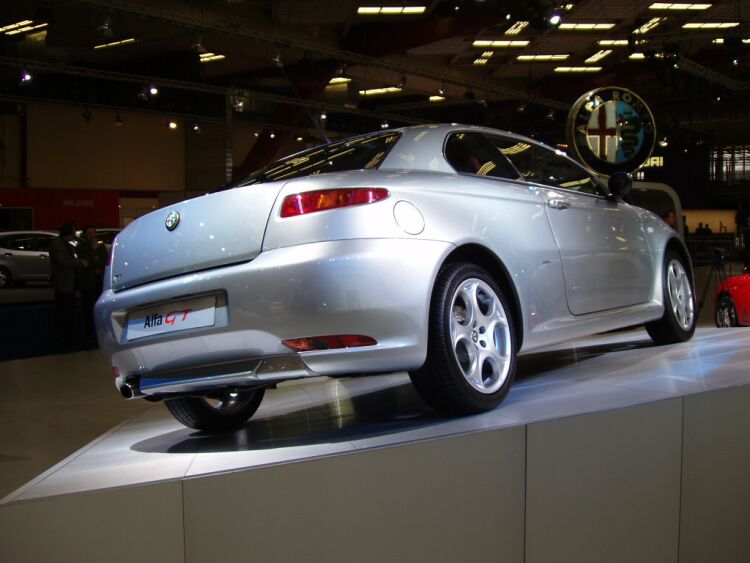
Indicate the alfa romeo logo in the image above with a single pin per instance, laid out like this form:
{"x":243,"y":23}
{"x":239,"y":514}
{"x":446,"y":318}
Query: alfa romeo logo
{"x":611,"y":130}
{"x":172,"y":220}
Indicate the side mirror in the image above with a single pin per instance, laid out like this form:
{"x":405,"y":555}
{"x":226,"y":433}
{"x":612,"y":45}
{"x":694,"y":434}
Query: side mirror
{"x":620,"y":184}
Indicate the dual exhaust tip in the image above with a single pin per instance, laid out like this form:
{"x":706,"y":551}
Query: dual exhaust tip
{"x":130,"y":390}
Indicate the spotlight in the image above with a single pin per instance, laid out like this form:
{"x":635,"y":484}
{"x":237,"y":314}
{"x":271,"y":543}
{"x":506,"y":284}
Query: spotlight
{"x":196,"y":128}
{"x":323,"y":115}
{"x":256,"y":134}
{"x":300,"y":139}
{"x":482,"y":102}
{"x":26,"y":76}
{"x":441,"y":90}
{"x":551,"y":115}
{"x":272,"y":135}
{"x":172,"y":124}
{"x":198,"y":46}
{"x":664,"y":142}
{"x":402,"y":81}
{"x":555,"y":19}
{"x":521,"y":107}
{"x":153,"y":90}
{"x":735,"y":62}
{"x":385,"y":124}
{"x":276,"y":60}
{"x":106,"y":29}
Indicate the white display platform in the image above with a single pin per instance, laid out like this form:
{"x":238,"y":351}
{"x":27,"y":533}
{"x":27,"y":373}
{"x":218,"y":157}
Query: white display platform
{"x":324,"y":454}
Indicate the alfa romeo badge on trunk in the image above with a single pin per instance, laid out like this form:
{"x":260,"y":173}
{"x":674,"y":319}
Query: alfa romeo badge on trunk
{"x":172,"y":220}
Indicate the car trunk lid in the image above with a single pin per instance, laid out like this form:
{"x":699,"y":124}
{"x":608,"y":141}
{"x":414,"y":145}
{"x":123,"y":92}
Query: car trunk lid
{"x":213,"y":230}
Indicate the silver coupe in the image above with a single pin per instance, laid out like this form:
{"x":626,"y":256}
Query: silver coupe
{"x":441,"y":250}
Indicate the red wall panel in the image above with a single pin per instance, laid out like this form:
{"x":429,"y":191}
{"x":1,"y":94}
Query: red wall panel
{"x":54,"y":207}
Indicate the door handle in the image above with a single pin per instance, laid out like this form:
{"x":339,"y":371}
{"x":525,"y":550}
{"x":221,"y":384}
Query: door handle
{"x":558,"y":203}
{"x":8,"y":254}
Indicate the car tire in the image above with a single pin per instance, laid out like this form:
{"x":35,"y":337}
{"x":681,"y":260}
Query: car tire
{"x":471,"y":355}
{"x":6,"y":280}
{"x":218,"y":412}
{"x":679,"y":319}
{"x":726,"y":312}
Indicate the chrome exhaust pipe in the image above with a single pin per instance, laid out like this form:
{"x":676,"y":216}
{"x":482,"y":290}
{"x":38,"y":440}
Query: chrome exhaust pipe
{"x":130,"y":390}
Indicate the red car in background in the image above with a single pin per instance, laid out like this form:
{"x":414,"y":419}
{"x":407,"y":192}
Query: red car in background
{"x":733,"y":301}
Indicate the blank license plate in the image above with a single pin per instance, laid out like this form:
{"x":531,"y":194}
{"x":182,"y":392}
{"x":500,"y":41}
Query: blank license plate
{"x":172,"y":317}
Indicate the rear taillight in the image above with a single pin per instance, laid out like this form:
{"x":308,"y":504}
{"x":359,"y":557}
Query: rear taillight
{"x":321,"y":200}
{"x":329,"y":342}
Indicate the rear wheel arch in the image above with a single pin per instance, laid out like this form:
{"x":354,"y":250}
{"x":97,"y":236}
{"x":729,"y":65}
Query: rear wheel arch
{"x":486,"y":259}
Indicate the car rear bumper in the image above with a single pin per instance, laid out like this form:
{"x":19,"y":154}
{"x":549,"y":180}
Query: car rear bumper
{"x":379,"y":288}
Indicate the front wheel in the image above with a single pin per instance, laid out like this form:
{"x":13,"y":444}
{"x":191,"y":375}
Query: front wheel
{"x":471,"y":351}
{"x":678,"y":322}
{"x":216,"y":412}
{"x":726,"y":312}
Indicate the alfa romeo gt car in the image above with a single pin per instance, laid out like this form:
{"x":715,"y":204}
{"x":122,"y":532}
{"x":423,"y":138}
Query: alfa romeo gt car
{"x":733,"y":301}
{"x":441,"y":250}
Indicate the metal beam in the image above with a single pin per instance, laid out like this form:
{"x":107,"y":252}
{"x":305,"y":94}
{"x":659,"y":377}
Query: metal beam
{"x":212,"y":22}
{"x":41,"y":66}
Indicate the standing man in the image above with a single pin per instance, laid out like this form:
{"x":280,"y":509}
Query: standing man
{"x":90,"y":278}
{"x":63,"y":262}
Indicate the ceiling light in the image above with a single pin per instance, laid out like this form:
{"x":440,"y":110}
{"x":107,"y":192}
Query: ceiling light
{"x":664,"y":142}
{"x":551,"y":115}
{"x":196,"y":128}
{"x":323,"y":115}
{"x":648,"y":26}
{"x":555,"y":19}
{"x":385,"y":124}
{"x":710,"y":25}
{"x":480,"y":61}
{"x":521,"y":107}
{"x":516,"y":28}
{"x":25,"y":29}
{"x":26,"y":76}
{"x":153,"y":90}
{"x":637,"y":56}
{"x":172,"y":124}
{"x":105,"y":29}
{"x":390,"y":10}
{"x":499,"y":43}
{"x":272,"y":135}
{"x":379,"y":91}
{"x":488,"y":54}
{"x":17,"y":25}
{"x":720,"y":41}
{"x":586,"y":26}
{"x":441,"y":90}
{"x":673,"y":6}
{"x":437,"y":98}
{"x":119,"y":43}
{"x":542,"y":58}
{"x":339,"y":80}
{"x":578,"y":69}
{"x":613,"y":42}
{"x":300,"y":139}
{"x":596,"y":57}
{"x":256,"y":134}
{"x":210,"y":57}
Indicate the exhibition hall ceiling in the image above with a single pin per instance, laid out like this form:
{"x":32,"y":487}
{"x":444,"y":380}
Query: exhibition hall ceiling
{"x":285,"y":64}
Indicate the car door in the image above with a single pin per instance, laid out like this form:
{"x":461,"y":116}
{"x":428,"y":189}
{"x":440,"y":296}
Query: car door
{"x":605,"y":256}
{"x":21,"y":257}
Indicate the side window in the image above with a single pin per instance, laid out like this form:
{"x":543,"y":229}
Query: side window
{"x":547,"y":166}
{"x":20,"y":242}
{"x":472,"y":153}
{"x":42,"y":242}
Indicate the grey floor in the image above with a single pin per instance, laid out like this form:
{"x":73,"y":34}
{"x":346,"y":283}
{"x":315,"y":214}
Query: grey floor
{"x":66,"y":405}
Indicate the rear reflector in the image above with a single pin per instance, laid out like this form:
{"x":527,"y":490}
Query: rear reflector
{"x":330,"y":342}
{"x":321,"y":200}
{"x":116,"y":371}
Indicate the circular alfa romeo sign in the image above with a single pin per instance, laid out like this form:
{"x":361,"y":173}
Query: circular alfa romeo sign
{"x":611,"y":130}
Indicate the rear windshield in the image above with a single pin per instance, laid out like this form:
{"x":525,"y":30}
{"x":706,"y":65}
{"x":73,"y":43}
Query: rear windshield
{"x":357,"y":153}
